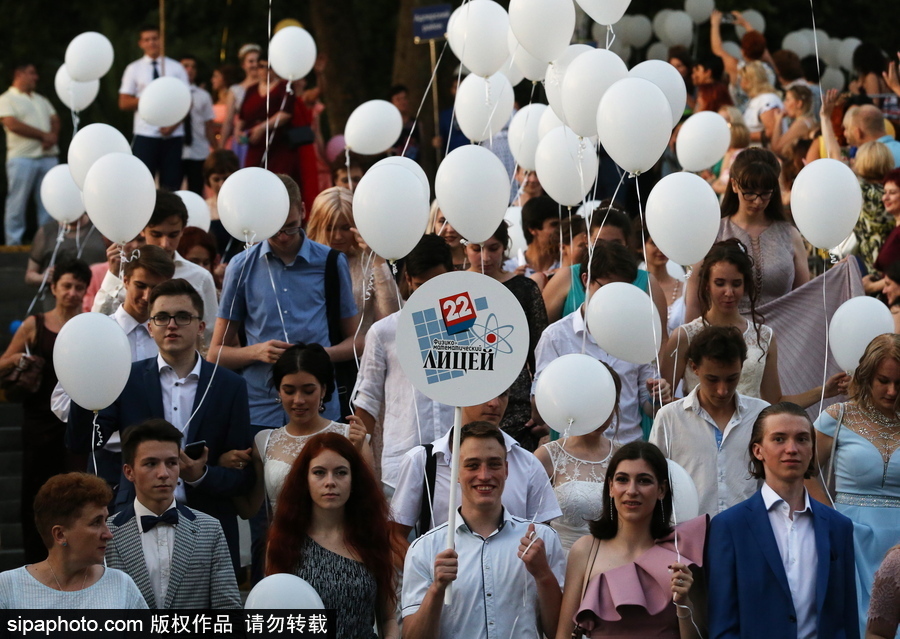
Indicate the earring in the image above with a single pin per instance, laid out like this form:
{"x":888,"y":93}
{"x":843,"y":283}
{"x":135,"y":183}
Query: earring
{"x":65,"y":543}
{"x":322,"y":406}
{"x":662,"y":511}
{"x":278,"y":400}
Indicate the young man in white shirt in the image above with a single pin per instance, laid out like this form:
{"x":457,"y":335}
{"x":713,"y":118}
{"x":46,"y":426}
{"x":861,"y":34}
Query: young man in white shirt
{"x":410,"y":418}
{"x":164,"y":230}
{"x":641,"y":388}
{"x":781,"y":564}
{"x":529,"y":494}
{"x":158,"y":147}
{"x":506,"y":572}
{"x":707,"y":432}
{"x":176,"y":555}
{"x":199,"y":134}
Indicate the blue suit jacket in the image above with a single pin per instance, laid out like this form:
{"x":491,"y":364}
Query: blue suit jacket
{"x":223,"y":421}
{"x":749,"y":594}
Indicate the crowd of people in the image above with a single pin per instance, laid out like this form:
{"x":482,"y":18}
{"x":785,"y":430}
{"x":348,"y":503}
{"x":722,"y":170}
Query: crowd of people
{"x":266,"y":387}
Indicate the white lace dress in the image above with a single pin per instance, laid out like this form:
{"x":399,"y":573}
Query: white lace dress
{"x":278,"y":449}
{"x":578,"y":485}
{"x":754,"y":365}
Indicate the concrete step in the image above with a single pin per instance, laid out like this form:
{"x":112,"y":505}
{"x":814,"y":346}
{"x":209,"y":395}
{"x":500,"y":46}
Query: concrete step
{"x":11,"y":558}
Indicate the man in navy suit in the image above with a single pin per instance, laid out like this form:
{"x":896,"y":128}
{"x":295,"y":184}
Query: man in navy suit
{"x":780,"y":564}
{"x":205,"y":402}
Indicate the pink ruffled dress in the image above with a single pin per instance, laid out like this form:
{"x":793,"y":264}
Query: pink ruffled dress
{"x":635,"y":600}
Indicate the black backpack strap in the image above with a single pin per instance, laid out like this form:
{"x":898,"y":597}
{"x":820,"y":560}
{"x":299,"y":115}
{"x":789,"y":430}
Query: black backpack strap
{"x":333,"y":298}
{"x":428,"y":489}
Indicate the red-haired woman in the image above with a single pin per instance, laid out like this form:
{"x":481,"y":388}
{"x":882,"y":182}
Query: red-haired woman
{"x":331,"y":529}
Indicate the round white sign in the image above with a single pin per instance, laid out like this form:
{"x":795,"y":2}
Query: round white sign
{"x":462,"y":339}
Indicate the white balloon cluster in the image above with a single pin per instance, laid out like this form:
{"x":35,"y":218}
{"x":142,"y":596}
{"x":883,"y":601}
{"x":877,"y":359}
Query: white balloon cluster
{"x":89,"y":57}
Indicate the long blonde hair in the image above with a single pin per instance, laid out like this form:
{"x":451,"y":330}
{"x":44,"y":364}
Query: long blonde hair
{"x":755,"y":72}
{"x":879,"y":349}
{"x":330,"y":207}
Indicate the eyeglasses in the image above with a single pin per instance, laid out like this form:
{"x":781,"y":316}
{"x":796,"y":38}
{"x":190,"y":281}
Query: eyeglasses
{"x":750,"y":196}
{"x":181,"y":319}
{"x":289,"y":230}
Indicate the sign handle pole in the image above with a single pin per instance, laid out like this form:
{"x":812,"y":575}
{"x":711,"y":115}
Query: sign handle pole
{"x":454,"y":480}
{"x":434,"y":97}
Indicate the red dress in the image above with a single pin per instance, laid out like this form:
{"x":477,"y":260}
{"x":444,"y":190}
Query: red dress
{"x":307,"y":158}
{"x":282,"y":158}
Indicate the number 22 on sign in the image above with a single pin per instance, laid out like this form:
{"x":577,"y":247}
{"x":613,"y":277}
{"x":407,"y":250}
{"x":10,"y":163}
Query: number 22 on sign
{"x":458,"y":312}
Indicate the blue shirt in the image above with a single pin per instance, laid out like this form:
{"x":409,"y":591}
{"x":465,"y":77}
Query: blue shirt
{"x":894,"y":147}
{"x":299,"y":290}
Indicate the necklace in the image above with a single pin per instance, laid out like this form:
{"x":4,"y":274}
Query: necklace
{"x":675,"y":290}
{"x":59,"y":585}
{"x":878,"y":417}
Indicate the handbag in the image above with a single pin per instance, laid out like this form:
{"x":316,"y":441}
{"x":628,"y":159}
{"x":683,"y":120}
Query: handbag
{"x":578,"y":631}
{"x":25,"y":378}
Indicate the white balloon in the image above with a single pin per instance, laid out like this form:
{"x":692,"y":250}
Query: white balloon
{"x":685,"y":498}
{"x":556,"y":73}
{"x":292,"y":53}
{"x":165,"y":101}
{"x":658,"y":51}
{"x":679,"y":29}
{"x":283,"y":591}
{"x":197,"y":208}
{"x":512,"y":72}
{"x":523,"y":134}
{"x":699,"y":10}
{"x":605,"y":11}
{"x":659,"y":23}
{"x":669,"y":80}
{"x":253,"y":204}
{"x":476,"y":35}
{"x":831,"y":53}
{"x":797,"y":42}
{"x":413,"y":166}
{"x":531,"y":67}
{"x":517,"y":241}
{"x":549,"y":121}
{"x":857,"y":322}
{"x":702,"y":141}
{"x":89,"y":56}
{"x":756,"y":20}
{"x":60,"y":195}
{"x":826,"y":200}
{"x":544,"y":28}
{"x":575,"y":394}
{"x":472,"y":187}
{"x":683,"y":217}
{"x":113,"y":180}
{"x":90,"y":144}
{"x":92,"y":359}
{"x":390,"y":209}
{"x":732,"y":48}
{"x":373,"y":127}
{"x":845,"y":53}
{"x":588,"y":208}
{"x":567,"y":165}
{"x":625,"y":323}
{"x":483,"y":106}
{"x":634,"y":122}
{"x":640,"y":30}
{"x":586,"y":80}
{"x":832,"y":78}
{"x":75,"y":95}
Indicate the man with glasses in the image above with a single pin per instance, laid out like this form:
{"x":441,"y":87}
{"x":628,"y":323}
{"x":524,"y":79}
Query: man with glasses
{"x":206,"y":403}
{"x":282,"y":291}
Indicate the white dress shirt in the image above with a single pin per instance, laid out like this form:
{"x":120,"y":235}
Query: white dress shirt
{"x":565,"y":337}
{"x":410,"y":418}
{"x":158,"y":545}
{"x":201,"y":113}
{"x":686,"y":434}
{"x":112,"y":291}
{"x":527,"y":494}
{"x":178,"y":402}
{"x":142,"y":347}
{"x":137,"y":76}
{"x":796,"y":539}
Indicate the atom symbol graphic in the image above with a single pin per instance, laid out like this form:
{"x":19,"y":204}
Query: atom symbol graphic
{"x":492,"y":335}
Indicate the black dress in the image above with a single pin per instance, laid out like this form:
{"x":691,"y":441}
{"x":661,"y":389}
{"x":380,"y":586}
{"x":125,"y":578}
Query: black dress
{"x":519,"y":410}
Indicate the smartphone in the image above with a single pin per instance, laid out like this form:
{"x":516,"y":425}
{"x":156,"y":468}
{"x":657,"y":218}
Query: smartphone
{"x":728,"y":18}
{"x":195,"y":450}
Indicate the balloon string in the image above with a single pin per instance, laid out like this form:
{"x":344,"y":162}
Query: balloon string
{"x":825,"y":313}
{"x":277,"y":301}
{"x":269,"y":136}
{"x":458,"y":81}
{"x":412,"y":129}
{"x":521,"y":187}
{"x":96,"y":441}
{"x":656,"y":344}
{"x":84,"y":241}
{"x":812,"y":13}
{"x":60,"y":235}
{"x":268,"y":91}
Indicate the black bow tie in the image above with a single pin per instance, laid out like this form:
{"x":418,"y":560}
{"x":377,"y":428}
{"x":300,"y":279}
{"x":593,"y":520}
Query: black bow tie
{"x":168,"y":517}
